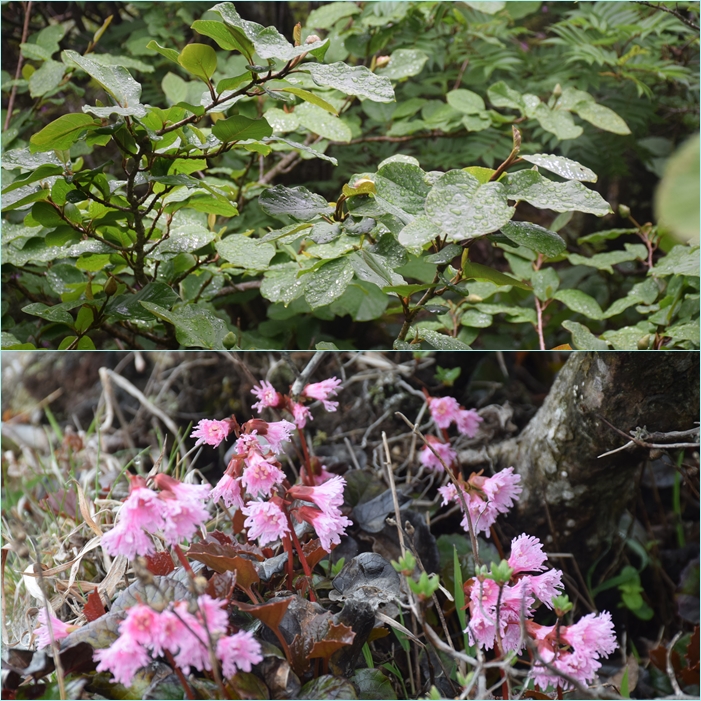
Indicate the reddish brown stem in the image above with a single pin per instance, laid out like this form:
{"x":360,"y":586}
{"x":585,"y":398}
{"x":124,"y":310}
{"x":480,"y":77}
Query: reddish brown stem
{"x":302,"y":559}
{"x":308,"y":472}
{"x":18,"y":71}
{"x":188,"y":689}
{"x":183,"y":560}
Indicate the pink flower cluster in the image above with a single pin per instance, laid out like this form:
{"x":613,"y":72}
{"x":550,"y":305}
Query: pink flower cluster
{"x":146,"y":633}
{"x":327,"y":520}
{"x":574,"y":650}
{"x":519,"y":595}
{"x":444,"y":452}
{"x":485,"y":497}
{"x":177,"y":511}
{"x":446,"y":410}
{"x":322,"y":391}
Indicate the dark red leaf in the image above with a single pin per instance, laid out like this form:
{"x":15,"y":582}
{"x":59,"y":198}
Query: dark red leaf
{"x":223,"y":558}
{"x":271,"y":614}
{"x":161,"y":563}
{"x":221,"y":585}
{"x":94,"y":608}
{"x":314,"y":552}
{"x":337,"y":636}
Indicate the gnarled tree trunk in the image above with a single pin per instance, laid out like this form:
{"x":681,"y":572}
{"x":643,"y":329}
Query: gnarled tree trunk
{"x":572,"y":498}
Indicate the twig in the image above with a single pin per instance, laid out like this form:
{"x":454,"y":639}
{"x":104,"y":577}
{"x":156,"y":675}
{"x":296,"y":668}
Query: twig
{"x":670,"y":669}
{"x":106,"y":374}
{"x":18,"y":71}
{"x":676,"y":13}
{"x":303,"y":377}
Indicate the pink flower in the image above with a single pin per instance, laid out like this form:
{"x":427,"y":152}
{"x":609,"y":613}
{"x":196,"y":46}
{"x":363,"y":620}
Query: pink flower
{"x":266,"y":521}
{"x":260,"y":476}
{"x":142,"y":509}
{"x":123,"y":658}
{"x":141,"y":626}
{"x":238,"y":652}
{"x":327,"y":496}
{"x":444,"y":410}
{"x":184,"y":509}
{"x":544,"y":586}
{"x":444,"y":450}
{"x":526,"y":554}
{"x":322,"y":391}
{"x":212,"y":612}
{"x":211,"y":432}
{"x":277,"y":433}
{"x":449,"y":493}
{"x":266,"y":395}
{"x":59,"y":628}
{"x":329,"y":527}
{"x":322,"y":476}
{"x":167,"y":634}
{"x":592,"y":634}
{"x":229,"y":490}
{"x":468,"y":421}
{"x":192,"y":494}
{"x":502,"y":489}
{"x":191,"y":641}
{"x":301,"y":414}
{"x":246,"y":441}
{"x":127,"y":540}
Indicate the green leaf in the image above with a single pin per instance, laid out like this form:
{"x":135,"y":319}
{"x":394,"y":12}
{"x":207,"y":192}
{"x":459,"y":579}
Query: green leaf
{"x":555,"y":121}
{"x":200,"y":60}
{"x":604,"y":261}
{"x":404,"y":63}
{"x":489,"y":8}
{"x":310,"y":97}
{"x":403,"y":185}
{"x":532,"y":187}
{"x":545,"y":283}
{"x":47,"y":78}
{"x":58,"y":313}
{"x":372,"y":684}
{"x":319,"y":121}
{"x":328,"y":282}
{"x":677,"y":195}
{"x":564,"y":167}
{"x":267,"y":41}
{"x":195,"y":325}
{"x":238,"y":128}
{"x":41,"y":173}
{"x":681,"y":260}
{"x":9,"y":342}
{"x":463,"y":208}
{"x":85,"y":343}
{"x":170,"y":54}
{"x":501,"y":95}
{"x":363,"y":301}
{"x":446,"y":254}
{"x":184,"y":238}
{"x":326,"y":16}
{"x":308,"y":151}
{"x":244,"y":252}
{"x":601,"y":117}
{"x":85,"y":317}
{"x":62,"y":133}
{"x":476,"y":319}
{"x":228,"y":38}
{"x":482,"y":272}
{"x":116,"y":80}
{"x":281,"y":284}
{"x":583,"y":338}
{"x":175,"y":88}
{"x":356,"y":80}
{"x":407,"y":290}
{"x":128,"y":306}
{"x":465,"y":101}
{"x":580,"y":302}
{"x":93,"y":262}
{"x":535,"y":237}
{"x":296,"y":202}
{"x":440,"y":341}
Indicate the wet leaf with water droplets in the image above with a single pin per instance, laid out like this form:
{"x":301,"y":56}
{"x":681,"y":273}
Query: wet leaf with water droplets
{"x":355,"y":80}
{"x":564,"y":167}
{"x":195,"y":326}
{"x":328,"y":283}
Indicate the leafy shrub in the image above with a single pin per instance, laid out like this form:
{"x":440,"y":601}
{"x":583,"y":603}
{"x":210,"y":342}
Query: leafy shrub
{"x":159,"y":225}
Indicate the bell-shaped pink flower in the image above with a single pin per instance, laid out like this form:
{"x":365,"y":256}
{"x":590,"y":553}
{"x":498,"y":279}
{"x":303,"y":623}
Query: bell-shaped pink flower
{"x":266,"y":395}
{"x":260,"y":476}
{"x":322,"y":391}
{"x":277,"y":433}
{"x":123,"y":658}
{"x":59,"y":628}
{"x":211,"y":431}
{"x":238,"y":652}
{"x":468,"y":421}
{"x":444,"y":450}
{"x":444,"y":410}
{"x":527,"y":554}
{"x":228,"y":489}
{"x":266,"y":521}
{"x":301,"y":414}
{"x":128,"y":540}
{"x":328,"y":526}
{"x":327,"y":496}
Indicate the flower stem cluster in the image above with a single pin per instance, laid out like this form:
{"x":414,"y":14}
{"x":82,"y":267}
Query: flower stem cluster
{"x":146,"y":633}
